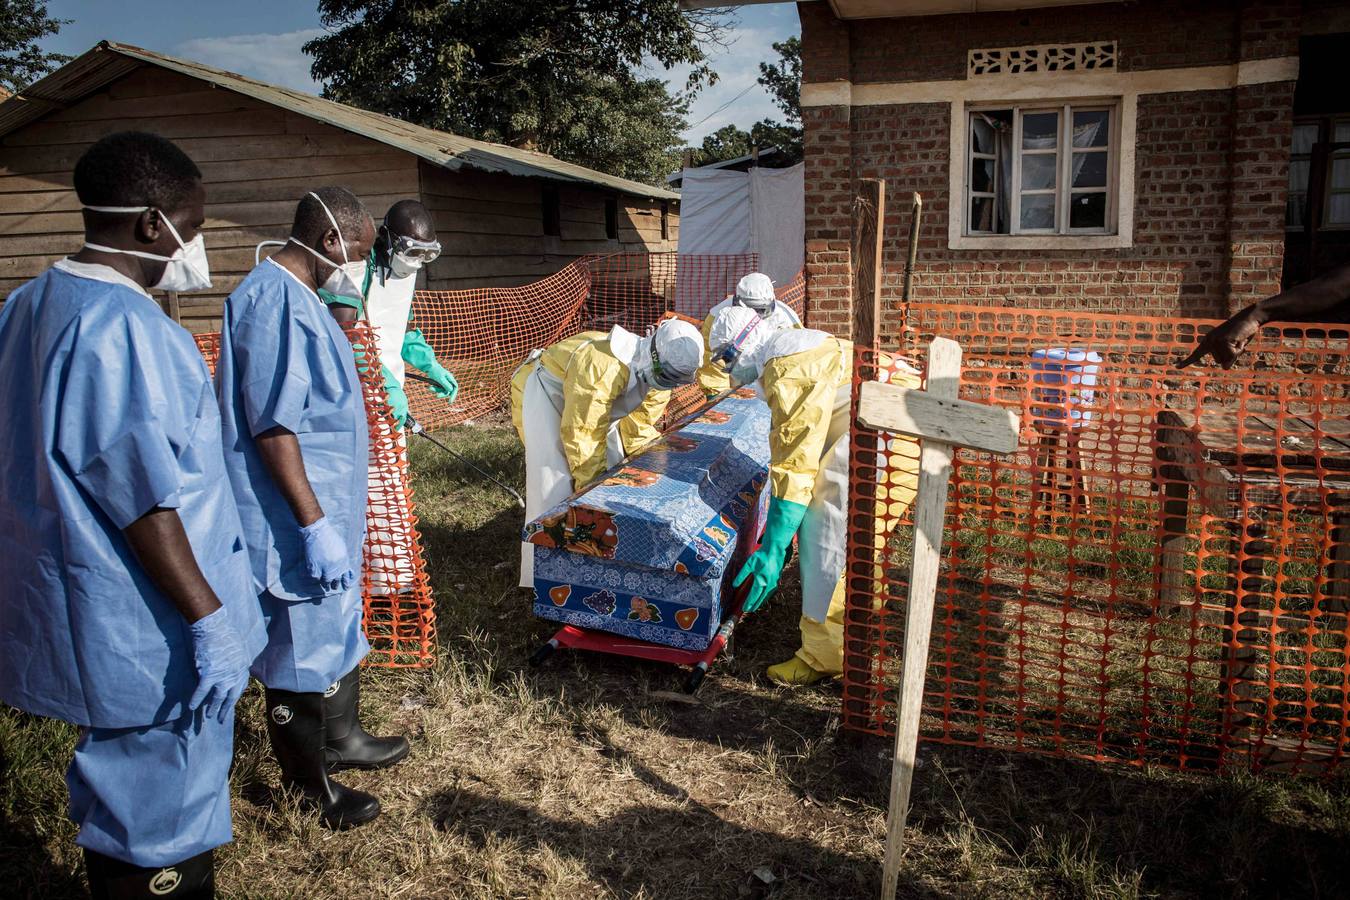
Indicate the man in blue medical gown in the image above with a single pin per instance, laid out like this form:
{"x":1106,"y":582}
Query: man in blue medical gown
{"x":296,"y":444}
{"x":127,"y":606}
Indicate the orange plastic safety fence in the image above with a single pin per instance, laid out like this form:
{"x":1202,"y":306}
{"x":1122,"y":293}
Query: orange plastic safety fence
{"x":1160,"y":574}
{"x":399,"y":612}
{"x":482,"y":334}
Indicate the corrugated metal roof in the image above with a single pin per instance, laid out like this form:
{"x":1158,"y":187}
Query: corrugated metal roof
{"x":109,"y":61}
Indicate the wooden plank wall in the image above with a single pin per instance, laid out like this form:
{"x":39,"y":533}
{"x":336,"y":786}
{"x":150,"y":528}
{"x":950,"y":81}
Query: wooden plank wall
{"x":256,"y":161}
{"x":492,"y":228}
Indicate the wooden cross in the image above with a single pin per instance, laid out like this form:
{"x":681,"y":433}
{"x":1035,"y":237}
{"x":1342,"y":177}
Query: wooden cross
{"x":942,"y":423}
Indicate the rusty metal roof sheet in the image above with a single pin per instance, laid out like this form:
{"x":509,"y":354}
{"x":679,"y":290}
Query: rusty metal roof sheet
{"x":108,"y":61}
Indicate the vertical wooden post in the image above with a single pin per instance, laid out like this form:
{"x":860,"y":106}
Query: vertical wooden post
{"x":869,"y":225}
{"x":869,"y":216}
{"x":915,"y":216}
{"x":935,"y":471}
{"x":172,"y":307}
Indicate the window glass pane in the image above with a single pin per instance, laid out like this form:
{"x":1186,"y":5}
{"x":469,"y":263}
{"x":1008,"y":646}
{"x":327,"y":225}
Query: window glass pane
{"x":982,"y":214}
{"x":1298,"y":174}
{"x":1091,"y":129}
{"x":981,"y":135}
{"x":1038,"y":212}
{"x":1341,"y":132}
{"x":1088,"y":211}
{"x":1340,"y":173}
{"x":982,"y":175}
{"x":1089,"y":170}
{"x":1295,"y":210}
{"x":1304,"y":138}
{"x":1038,"y":171}
{"x":1040,"y":131}
{"x":1338,"y":209}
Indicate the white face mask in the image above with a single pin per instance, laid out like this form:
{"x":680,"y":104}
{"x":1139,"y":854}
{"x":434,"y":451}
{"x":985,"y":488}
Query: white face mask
{"x":346,"y":279}
{"x":403,"y":266}
{"x":186,"y":271}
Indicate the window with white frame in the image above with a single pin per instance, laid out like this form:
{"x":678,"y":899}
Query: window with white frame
{"x":1042,"y":169}
{"x":1319,"y":174}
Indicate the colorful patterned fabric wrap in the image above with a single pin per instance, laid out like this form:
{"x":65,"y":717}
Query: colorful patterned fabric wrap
{"x":647,"y":552}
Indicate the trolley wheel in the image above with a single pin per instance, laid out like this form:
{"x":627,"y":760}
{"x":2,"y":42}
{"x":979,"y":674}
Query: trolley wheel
{"x":543,"y":653}
{"x":695,"y":680}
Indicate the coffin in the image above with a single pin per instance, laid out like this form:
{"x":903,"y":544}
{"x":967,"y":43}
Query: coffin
{"x":649,"y":550}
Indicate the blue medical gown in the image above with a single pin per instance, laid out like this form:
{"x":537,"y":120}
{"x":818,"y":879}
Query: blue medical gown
{"x":285,"y":362}
{"x":106,"y":412}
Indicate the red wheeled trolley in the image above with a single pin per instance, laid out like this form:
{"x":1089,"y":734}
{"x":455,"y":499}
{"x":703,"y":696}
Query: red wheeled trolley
{"x":574,"y":638}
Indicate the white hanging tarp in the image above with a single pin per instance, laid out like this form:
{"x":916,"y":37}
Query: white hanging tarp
{"x":725,"y":213}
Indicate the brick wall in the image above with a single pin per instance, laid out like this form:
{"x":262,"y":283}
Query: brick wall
{"x":1151,"y":34}
{"x":1210,"y":171}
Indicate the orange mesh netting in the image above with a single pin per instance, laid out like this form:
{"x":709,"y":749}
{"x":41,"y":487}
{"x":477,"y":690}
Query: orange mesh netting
{"x":482,"y":334}
{"x":1159,"y":574}
{"x":399,"y":612}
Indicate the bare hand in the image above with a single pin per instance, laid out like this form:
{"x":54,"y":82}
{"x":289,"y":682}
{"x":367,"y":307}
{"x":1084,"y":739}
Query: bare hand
{"x":1226,"y":341}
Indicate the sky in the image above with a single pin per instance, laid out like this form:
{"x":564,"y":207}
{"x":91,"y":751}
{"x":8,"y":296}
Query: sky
{"x":262,"y":39}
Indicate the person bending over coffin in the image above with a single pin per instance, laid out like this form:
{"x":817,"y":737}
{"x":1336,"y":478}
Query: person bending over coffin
{"x":806,"y":377}
{"x":582,"y":403}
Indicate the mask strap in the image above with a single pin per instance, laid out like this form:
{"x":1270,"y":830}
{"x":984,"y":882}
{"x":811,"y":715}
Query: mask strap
{"x":105,"y":249}
{"x":163,"y":217}
{"x":342,"y":244}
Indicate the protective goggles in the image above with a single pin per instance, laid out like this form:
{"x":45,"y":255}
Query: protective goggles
{"x":661,"y":377}
{"x":422,"y":251}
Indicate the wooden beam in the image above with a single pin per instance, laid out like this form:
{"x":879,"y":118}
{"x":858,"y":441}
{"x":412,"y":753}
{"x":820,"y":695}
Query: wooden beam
{"x":869,"y":217}
{"x":890,"y":407}
{"x":935,"y":471}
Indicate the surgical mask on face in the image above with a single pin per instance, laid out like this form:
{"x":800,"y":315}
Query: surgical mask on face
{"x":402,"y":266}
{"x":346,"y":279}
{"x":187,"y":270}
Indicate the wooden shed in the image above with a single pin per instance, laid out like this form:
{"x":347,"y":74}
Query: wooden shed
{"x":505,"y":216}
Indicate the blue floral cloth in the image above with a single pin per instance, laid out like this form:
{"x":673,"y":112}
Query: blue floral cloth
{"x":647,"y":551}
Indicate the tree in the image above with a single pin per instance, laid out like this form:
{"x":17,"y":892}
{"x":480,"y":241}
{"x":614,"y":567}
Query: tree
{"x":783,"y":80}
{"x":22,"y":24}
{"x":563,"y":77}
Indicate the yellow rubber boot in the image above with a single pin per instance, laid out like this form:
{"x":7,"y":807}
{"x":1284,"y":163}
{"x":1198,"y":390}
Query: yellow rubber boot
{"x":795,"y":671}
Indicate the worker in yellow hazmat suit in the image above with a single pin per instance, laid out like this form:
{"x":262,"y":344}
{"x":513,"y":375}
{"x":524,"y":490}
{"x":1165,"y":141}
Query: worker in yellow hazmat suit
{"x":806,"y":378}
{"x":586,"y":401}
{"x":754,"y":291}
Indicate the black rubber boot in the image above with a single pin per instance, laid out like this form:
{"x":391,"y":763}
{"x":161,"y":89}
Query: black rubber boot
{"x":112,"y":879}
{"x":348,"y":746}
{"x":295,"y":723}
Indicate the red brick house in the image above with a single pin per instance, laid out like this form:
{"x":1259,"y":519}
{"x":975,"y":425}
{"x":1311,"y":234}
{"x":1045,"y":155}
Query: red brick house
{"x":1123,"y":156}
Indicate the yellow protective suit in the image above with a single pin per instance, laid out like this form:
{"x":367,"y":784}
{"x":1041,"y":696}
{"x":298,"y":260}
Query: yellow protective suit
{"x":809,"y":393}
{"x":593,"y":380}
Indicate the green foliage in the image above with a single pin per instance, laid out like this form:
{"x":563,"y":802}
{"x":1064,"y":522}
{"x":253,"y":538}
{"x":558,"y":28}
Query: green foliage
{"x":561,"y":77}
{"x":782,"y":78}
{"x":22,"y":24}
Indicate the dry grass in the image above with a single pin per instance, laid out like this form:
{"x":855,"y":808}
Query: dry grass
{"x":585,"y":779}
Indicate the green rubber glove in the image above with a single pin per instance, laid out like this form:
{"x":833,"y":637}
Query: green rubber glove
{"x":765,"y":565}
{"x":398,"y":400}
{"x":418,"y":353}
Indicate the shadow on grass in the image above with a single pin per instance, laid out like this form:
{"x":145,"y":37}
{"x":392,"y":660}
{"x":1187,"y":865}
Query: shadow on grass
{"x":649,"y":847}
{"x":34,"y":754}
{"x":1106,"y":831}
